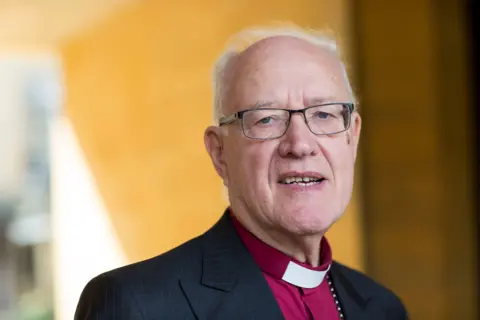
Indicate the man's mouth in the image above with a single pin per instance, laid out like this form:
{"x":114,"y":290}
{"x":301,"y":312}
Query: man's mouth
{"x":302,"y":181}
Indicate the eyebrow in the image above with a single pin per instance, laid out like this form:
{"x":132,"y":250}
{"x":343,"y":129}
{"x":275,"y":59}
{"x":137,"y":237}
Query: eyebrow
{"x":310,"y":102}
{"x":263,"y":104}
{"x":319,"y":100}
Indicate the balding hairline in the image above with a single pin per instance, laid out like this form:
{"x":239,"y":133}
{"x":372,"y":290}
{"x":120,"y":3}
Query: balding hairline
{"x":246,"y":38}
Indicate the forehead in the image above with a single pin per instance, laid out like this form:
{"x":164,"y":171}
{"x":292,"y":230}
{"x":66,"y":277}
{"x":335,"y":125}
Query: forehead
{"x":287,"y":71}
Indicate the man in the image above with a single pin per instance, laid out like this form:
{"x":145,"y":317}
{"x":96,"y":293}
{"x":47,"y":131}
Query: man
{"x":284,"y":145}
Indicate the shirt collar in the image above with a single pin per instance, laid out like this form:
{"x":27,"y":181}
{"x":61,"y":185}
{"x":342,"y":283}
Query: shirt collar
{"x":281,"y":266}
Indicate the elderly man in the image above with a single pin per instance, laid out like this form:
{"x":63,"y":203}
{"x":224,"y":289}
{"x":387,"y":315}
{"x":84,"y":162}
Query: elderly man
{"x":285,"y":146}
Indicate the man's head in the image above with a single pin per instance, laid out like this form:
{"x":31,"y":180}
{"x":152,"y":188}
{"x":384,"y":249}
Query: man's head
{"x":291,"y":172}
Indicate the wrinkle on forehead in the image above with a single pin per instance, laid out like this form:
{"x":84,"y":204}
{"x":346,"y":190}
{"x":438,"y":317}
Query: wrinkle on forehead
{"x":273,"y":54}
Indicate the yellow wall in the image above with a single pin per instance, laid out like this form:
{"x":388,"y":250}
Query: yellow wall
{"x":139,"y":98}
{"x":422,"y":235}
{"x":85,"y":241}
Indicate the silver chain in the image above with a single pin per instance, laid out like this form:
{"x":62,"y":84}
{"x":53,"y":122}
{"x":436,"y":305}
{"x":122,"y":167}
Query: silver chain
{"x":334,"y":295}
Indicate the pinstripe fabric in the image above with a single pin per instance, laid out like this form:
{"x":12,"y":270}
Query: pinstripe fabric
{"x":214,"y":277}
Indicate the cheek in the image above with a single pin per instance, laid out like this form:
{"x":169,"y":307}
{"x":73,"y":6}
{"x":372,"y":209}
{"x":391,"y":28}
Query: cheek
{"x":344,"y":170}
{"x":341,"y":160}
{"x":249,"y":164}
{"x":256,"y":160}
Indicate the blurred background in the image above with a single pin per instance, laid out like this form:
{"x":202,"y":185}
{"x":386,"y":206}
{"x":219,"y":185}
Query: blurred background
{"x":102,"y":110}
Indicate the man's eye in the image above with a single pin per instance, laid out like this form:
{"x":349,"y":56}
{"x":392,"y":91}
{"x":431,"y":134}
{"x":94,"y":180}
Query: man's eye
{"x":322,"y":115}
{"x":265,"y":120}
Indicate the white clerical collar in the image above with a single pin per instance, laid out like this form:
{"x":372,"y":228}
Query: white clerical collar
{"x":303,"y":277}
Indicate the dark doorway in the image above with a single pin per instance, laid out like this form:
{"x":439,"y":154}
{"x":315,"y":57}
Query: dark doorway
{"x":474,"y":26}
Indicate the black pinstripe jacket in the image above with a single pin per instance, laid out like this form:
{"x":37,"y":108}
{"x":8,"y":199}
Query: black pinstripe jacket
{"x":214,"y":277}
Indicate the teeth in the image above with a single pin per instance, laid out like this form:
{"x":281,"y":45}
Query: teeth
{"x":300,"y":180}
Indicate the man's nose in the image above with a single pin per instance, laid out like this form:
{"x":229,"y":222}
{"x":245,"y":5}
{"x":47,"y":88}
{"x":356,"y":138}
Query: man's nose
{"x":298,"y":141}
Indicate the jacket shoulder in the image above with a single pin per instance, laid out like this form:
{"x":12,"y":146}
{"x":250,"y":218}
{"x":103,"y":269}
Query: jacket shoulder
{"x":174,"y":261}
{"x":369,"y":287}
{"x":127,"y":290}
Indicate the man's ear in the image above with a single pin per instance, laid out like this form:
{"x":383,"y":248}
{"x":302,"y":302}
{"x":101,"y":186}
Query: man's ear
{"x":354,"y":134}
{"x":214,"y":144}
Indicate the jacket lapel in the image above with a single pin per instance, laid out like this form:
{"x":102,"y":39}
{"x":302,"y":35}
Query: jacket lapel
{"x":355,"y":304}
{"x":232,"y":286}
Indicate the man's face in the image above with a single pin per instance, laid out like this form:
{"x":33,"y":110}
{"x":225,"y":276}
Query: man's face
{"x":288,"y":73}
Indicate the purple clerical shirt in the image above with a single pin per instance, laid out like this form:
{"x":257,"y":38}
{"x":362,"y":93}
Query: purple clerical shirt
{"x":296,"y":303}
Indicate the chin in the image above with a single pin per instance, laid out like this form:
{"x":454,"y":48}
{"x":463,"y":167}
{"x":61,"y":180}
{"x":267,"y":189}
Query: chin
{"x":307,"y":223}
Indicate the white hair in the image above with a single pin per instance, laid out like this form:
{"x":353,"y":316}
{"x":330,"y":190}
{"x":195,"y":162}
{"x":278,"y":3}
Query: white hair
{"x":248,"y":37}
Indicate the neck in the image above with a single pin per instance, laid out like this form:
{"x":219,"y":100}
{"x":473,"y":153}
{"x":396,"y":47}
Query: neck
{"x":303,"y":248}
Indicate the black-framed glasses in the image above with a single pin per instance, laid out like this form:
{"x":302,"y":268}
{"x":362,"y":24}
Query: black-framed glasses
{"x":271,"y":123}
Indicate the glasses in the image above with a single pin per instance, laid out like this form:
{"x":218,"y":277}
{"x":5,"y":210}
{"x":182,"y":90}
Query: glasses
{"x":270,"y":123}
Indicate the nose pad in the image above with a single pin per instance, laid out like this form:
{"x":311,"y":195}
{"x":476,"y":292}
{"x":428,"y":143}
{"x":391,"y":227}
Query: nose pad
{"x":299,"y":141}
{"x":299,"y":122}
